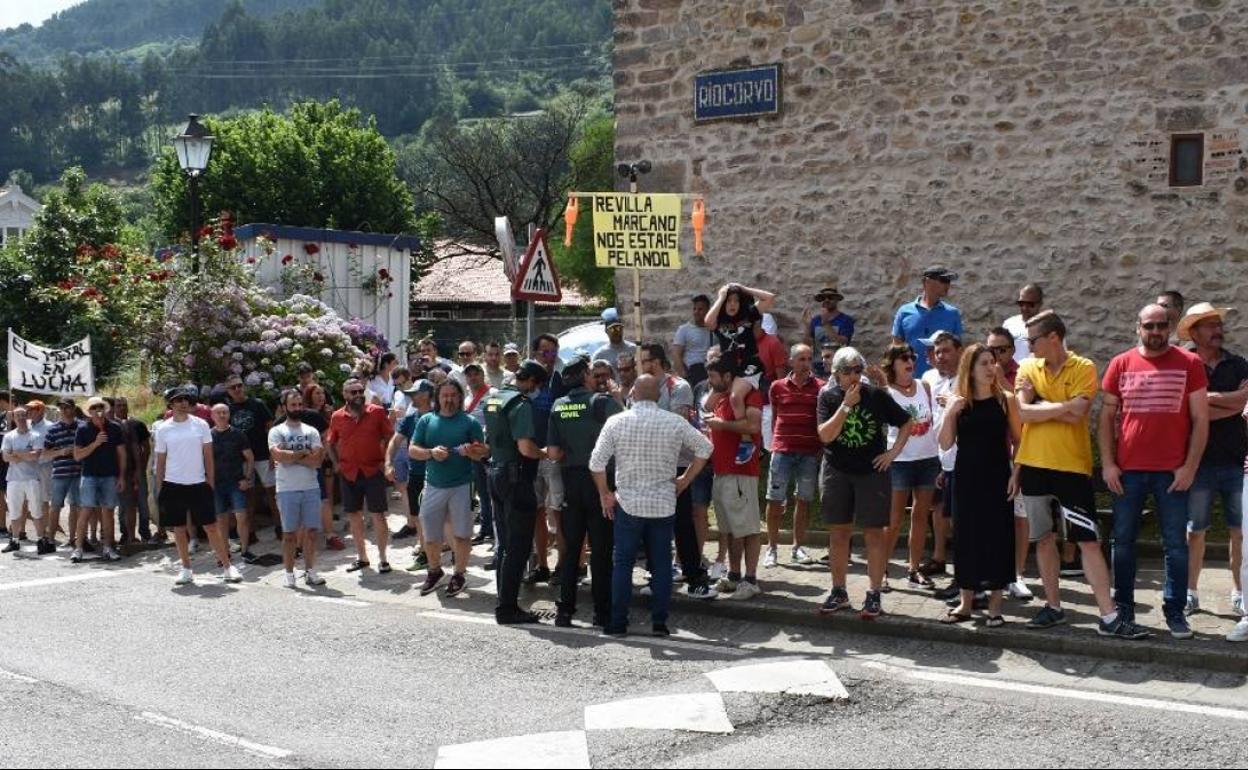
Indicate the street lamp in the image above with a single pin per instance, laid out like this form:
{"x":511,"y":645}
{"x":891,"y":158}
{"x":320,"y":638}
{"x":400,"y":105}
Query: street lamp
{"x":631,"y":171}
{"x":194,"y":147}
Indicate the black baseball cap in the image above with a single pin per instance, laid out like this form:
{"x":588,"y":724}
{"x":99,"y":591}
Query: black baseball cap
{"x":532,"y":370}
{"x":574,"y":371}
{"x":940,"y":273}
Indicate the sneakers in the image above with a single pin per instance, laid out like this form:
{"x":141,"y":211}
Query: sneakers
{"x":539,"y":575}
{"x":291,"y":581}
{"x":770,"y":557}
{"x":185,"y":577}
{"x":457,"y":584}
{"x":311,"y":578}
{"x":872,"y":606}
{"x":432,"y":581}
{"x":11,"y":547}
{"x":746,"y":590}
{"x":801,"y":557}
{"x":725,"y":586}
{"x":1048,"y":617}
{"x":717,"y":571}
{"x":1071,"y":569}
{"x":931,"y":567}
{"x":1193,"y":604}
{"x":1179,"y":629}
{"x":76,"y":556}
{"x":516,"y":617}
{"x":701,"y":591}
{"x":660,"y":630}
{"x":837,"y":600}
{"x":110,"y":555}
{"x":1017,"y":590}
{"x":334,"y":543}
{"x":248,"y":557}
{"x":1239,"y":633}
{"x":562,"y":619}
{"x":1121,"y":628}
{"x":403,"y":533}
{"x":918,"y":581}
{"x":420,"y":562}
{"x":1237,"y":604}
{"x":232,"y":575}
{"x":45,"y":547}
{"x":745,"y":450}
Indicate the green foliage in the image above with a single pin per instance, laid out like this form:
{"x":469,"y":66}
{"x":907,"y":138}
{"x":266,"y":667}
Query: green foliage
{"x":75,"y":274}
{"x":592,"y":169}
{"x":321,"y":166}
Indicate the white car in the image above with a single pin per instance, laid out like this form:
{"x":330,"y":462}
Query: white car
{"x":585,"y":338}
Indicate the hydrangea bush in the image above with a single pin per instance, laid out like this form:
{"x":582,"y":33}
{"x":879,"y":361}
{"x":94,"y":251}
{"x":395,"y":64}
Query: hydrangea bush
{"x":222,"y":322}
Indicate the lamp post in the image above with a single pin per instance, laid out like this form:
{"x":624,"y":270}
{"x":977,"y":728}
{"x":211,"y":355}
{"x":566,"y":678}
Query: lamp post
{"x":194,"y":147}
{"x":631,"y":171}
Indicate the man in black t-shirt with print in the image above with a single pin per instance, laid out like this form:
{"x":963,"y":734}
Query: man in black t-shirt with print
{"x":853,"y":420}
{"x":254,"y":419}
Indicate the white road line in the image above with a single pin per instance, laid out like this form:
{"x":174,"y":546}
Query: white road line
{"x":93,"y":575}
{"x":792,"y":677}
{"x":268,"y":752}
{"x":540,"y":750}
{"x":701,"y":712}
{"x":1063,"y":692}
{"x":17,"y":677}
{"x":335,"y":600}
{"x":480,"y":620}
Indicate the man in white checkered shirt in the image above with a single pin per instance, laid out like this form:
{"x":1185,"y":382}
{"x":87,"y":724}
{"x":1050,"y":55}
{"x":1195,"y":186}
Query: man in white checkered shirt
{"x":646,"y":443}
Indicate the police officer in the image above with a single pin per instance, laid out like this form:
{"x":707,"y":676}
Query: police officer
{"x":575,"y":422}
{"x":514,"y":455}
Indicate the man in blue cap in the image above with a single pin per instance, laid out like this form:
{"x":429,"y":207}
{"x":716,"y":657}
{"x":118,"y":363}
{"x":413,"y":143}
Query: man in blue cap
{"x":917,"y":321}
{"x":615,"y":333}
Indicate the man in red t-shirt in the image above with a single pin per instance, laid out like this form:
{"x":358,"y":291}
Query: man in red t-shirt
{"x":1159,"y":392}
{"x":735,"y":490}
{"x":794,"y":452}
{"x":357,"y":439}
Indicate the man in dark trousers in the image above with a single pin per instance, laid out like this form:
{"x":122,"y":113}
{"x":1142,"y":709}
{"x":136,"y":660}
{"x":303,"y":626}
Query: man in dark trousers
{"x":575,"y":423}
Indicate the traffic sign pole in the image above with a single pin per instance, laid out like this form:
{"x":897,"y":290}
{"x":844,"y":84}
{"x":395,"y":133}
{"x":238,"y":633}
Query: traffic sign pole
{"x":530,"y":316}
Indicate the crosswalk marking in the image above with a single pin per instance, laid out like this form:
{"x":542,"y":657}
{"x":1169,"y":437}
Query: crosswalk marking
{"x":540,"y":750}
{"x":269,"y":752}
{"x":695,"y":712}
{"x":75,"y":578}
{"x":791,"y":677}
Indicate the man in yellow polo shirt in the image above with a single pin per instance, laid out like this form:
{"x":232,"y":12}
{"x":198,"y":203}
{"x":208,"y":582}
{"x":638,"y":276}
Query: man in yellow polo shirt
{"x":1053,"y":470}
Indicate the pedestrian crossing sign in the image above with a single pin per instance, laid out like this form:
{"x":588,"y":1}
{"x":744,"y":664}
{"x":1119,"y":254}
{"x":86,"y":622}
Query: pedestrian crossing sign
{"x":536,"y":279}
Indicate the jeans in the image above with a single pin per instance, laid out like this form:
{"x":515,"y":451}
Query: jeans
{"x":1214,"y":481}
{"x":582,"y":515}
{"x":1172,"y":516}
{"x":513,"y":489}
{"x":482,"y":486}
{"x":631,"y":533}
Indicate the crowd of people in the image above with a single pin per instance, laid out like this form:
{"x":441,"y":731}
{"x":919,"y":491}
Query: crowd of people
{"x":986,"y":443}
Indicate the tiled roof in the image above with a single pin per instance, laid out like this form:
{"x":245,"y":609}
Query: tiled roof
{"x":474,"y":279}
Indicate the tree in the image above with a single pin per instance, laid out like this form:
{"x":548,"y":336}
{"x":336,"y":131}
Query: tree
{"x":320,"y":166}
{"x":592,"y":169}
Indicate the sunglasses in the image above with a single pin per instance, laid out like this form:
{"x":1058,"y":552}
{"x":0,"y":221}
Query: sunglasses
{"x":907,"y":357}
{"x":1026,"y":303}
{"x":1155,"y":326}
{"x":1031,"y":341}
{"x":465,"y":353}
{"x":355,"y":392}
{"x":999,"y":349}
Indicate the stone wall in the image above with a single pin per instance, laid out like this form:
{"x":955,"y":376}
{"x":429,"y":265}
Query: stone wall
{"x":1015,"y":140}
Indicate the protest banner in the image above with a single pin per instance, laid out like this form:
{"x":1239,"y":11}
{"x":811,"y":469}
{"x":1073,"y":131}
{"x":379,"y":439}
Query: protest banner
{"x":52,"y":371}
{"x":637,"y":231}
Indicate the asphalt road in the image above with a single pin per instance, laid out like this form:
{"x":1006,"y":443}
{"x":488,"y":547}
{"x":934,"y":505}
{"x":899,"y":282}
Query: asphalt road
{"x":114,"y":666}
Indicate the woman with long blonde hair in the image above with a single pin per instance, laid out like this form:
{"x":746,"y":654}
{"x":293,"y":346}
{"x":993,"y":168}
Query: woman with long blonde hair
{"x":984,"y":421}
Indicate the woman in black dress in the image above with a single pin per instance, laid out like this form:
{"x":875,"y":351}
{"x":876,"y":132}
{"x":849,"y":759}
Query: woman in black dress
{"x":983,"y":420}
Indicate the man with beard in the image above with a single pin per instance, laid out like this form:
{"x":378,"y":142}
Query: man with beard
{"x":1153,"y":429}
{"x":357,"y":438}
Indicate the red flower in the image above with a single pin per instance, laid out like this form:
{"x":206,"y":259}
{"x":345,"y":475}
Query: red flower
{"x":111,"y":252}
{"x":286,"y":260}
{"x":311,"y":248}
{"x":227,"y":242}
{"x":114,"y":280}
{"x":65,"y":285}
{"x":91,"y":293}
{"x":205,"y":231}
{"x":384,"y":274}
{"x":251,"y":260}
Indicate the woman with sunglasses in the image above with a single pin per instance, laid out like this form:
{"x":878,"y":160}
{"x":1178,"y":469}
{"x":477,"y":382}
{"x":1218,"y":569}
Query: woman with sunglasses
{"x":984,"y":421}
{"x":913,"y":474}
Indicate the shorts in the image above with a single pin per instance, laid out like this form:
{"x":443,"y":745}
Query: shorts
{"x":446,"y":503}
{"x":266,"y":475}
{"x":300,"y":509}
{"x":735,"y":499}
{"x":66,"y":488}
{"x":364,"y":489}
{"x":98,"y":491}
{"x":767,"y":428}
{"x":788,"y":468}
{"x":1061,"y":502}
{"x":45,"y":480}
{"x":548,"y":486}
{"x":179,"y":501}
{"x":28,"y":492}
{"x":228,"y":498}
{"x":415,"y":486}
{"x":856,"y":498}
{"x":910,"y":475}
{"x":703,"y":486}
{"x":1225,"y":481}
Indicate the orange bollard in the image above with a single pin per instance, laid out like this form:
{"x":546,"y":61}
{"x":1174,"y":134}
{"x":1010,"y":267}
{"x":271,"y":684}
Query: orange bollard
{"x":569,"y":220}
{"x":699,"y":222}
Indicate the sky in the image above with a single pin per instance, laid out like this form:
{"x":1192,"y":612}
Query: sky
{"x":15,"y":12}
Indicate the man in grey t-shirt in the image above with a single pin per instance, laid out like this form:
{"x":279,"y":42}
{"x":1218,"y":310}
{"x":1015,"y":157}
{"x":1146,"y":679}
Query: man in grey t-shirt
{"x":297,"y":453}
{"x":22,"y":449}
{"x":615,"y":333}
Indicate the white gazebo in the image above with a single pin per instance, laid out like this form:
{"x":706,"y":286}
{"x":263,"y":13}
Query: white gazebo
{"x":17,"y":213}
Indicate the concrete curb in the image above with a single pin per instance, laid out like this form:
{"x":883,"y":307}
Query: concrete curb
{"x":1063,"y":640}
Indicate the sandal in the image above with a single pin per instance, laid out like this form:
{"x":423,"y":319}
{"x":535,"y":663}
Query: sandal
{"x":357,"y":566}
{"x":952,"y":618}
{"x":996,"y":621}
{"x":383,"y":568}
